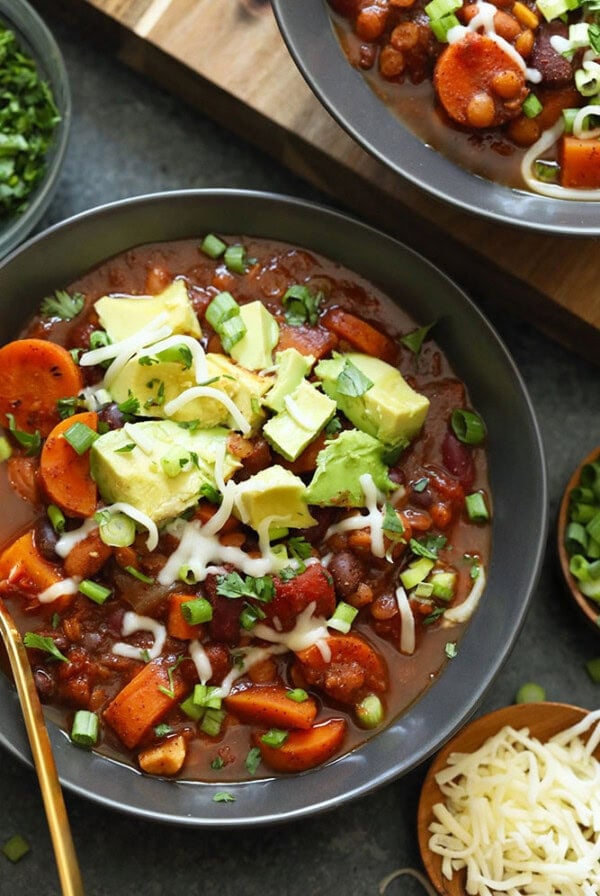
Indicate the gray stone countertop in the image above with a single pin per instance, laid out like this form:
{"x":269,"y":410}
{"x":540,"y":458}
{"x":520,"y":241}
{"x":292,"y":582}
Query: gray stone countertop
{"x":129,"y":137}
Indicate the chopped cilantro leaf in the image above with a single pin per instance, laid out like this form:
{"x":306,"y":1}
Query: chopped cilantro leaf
{"x":301,"y":305}
{"x":41,"y":642}
{"x":62,"y":305}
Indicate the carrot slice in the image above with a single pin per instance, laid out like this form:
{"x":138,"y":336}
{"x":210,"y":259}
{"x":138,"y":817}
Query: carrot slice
{"x":579,"y":162}
{"x":360,"y":334}
{"x":352,"y":669}
{"x":177,"y":626}
{"x":144,"y":701}
{"x":305,"y":749}
{"x":22,"y":568}
{"x":35,"y":373}
{"x":315,"y":341}
{"x":478,"y":83}
{"x":65,"y":474}
{"x":269,"y":705}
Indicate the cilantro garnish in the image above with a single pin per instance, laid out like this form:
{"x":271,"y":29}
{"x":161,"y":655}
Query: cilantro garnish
{"x":62,"y":304}
{"x":234,"y":586}
{"x":414,"y":340}
{"x":41,"y":642}
{"x":429,"y":546}
{"x":32,"y":441}
{"x":301,"y":305}
{"x":352,"y":381}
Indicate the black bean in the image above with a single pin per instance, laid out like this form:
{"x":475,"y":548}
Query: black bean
{"x":45,"y":539}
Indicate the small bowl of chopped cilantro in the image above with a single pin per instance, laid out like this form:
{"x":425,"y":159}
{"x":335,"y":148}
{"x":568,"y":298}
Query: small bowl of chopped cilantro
{"x":579,"y":536}
{"x":35,"y":109}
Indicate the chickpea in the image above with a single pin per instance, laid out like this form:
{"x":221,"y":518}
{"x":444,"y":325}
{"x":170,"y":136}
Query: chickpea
{"x":391,"y":62}
{"x":507,"y":84}
{"x":371,"y":22}
{"x":524,"y":131}
{"x":506,"y":26}
{"x":481,"y":110}
{"x":405,"y":36}
{"x":524,"y":43}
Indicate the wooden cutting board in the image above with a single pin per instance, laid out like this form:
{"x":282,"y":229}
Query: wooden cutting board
{"x":227,"y":59}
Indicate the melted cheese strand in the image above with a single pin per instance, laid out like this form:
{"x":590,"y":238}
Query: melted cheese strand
{"x":372,"y":520}
{"x":248,"y":657}
{"x":68,"y":540}
{"x":407,"y":622}
{"x":201,"y":661}
{"x":546,"y":140}
{"x":463,"y":612}
{"x":240,"y":422}
{"x":139,"y":517}
{"x":133,"y":622}
{"x":308,"y":630}
{"x":59,"y":589}
{"x":198,"y":354}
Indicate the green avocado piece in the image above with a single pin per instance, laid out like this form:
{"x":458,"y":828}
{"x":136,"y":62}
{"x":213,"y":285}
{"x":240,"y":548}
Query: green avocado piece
{"x":138,"y":465}
{"x":292,"y":367}
{"x":273,"y":494}
{"x":306,"y":411}
{"x":155,"y":383}
{"x":340,"y":465}
{"x":122,"y":316}
{"x":389,"y":409}
{"x":255,"y":349}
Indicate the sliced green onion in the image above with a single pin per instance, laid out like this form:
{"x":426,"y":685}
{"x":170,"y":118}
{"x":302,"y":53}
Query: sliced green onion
{"x":593,"y":669}
{"x":593,"y":527}
{"x":80,"y":437}
{"x":206,"y":696}
{"x":547,"y":172}
{"x":468,"y":427}
{"x":223,"y":314}
{"x":343,"y":617}
{"x":191,"y":709}
{"x":117,"y":530}
{"x":15,"y":848}
{"x":440,"y":27}
{"x":250,"y":615}
{"x":443,"y":584}
{"x":56,"y":517}
{"x":568,"y":116}
{"x":212,"y":246}
{"x":175,"y":461}
{"x":5,"y":449}
{"x":416,"y":572}
{"x":85,"y":728}
{"x":187,"y":574}
{"x":212,"y":721}
{"x":274,"y":737}
{"x":298,"y":695}
{"x":236,"y":258}
{"x":96,"y":592}
{"x":531,"y":106}
{"x":530,"y":692}
{"x":369,"y":712}
{"x":587,"y":84}
{"x":197,"y":610}
{"x":476,"y":507}
{"x":437,"y":9}
{"x":137,"y":574}
{"x":99,"y":339}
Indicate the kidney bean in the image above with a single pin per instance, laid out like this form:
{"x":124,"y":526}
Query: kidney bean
{"x":347,"y":572}
{"x":458,"y":460}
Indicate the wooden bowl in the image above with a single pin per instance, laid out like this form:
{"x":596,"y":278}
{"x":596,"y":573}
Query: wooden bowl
{"x":589,"y":608}
{"x":543,"y":720}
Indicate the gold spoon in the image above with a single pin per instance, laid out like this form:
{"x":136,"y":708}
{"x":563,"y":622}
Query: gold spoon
{"x":56,"y":813}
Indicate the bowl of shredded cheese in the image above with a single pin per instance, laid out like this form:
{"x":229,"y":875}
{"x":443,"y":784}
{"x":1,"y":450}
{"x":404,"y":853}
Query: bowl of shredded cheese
{"x":512,"y":805}
{"x":35,"y":115}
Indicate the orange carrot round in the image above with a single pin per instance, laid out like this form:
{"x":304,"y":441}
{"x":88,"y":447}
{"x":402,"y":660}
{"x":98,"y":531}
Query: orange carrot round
{"x":478,"y":83}
{"x":303,"y":749}
{"x":269,"y":705}
{"x":359,"y":669}
{"x":360,"y":334}
{"x":64,"y":474}
{"x":34,"y":374}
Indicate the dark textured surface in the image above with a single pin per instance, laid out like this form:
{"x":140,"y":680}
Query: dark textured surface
{"x":131,"y":138}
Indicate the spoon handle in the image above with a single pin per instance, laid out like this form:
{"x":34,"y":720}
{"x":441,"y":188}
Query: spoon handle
{"x":56,"y":813}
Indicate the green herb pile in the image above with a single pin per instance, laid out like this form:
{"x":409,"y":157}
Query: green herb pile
{"x":28,"y":118}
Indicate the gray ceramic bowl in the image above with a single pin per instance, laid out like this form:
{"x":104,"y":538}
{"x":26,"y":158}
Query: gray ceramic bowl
{"x":37,"y":41}
{"x":65,"y":251}
{"x":308,"y":31}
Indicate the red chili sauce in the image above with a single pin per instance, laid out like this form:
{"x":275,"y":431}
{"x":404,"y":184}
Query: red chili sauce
{"x":488,"y":91}
{"x":313,"y":700}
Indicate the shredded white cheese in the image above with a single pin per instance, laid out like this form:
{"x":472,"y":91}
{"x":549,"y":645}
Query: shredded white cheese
{"x":522,"y":817}
{"x":463,"y":612}
{"x":133,"y":622}
{"x":308,"y":631}
{"x":59,"y":589}
{"x":245,"y":659}
{"x":372,"y":520}
{"x":68,"y":540}
{"x":201,"y":661}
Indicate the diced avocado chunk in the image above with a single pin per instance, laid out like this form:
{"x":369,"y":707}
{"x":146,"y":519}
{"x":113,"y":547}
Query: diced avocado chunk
{"x":292,"y":367}
{"x":154,"y":385}
{"x":124,"y":315}
{"x":306,"y":411}
{"x":336,"y":480}
{"x":255,"y":349}
{"x":135,"y":464}
{"x":389,"y":409}
{"x":275,"y":495}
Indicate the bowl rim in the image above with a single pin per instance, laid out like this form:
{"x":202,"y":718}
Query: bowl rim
{"x":307,"y":30}
{"x":38,"y":40}
{"x":97,"y":233}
